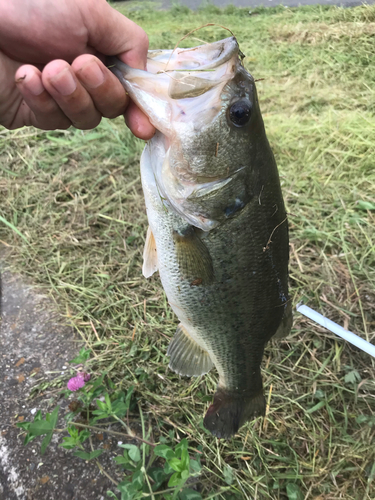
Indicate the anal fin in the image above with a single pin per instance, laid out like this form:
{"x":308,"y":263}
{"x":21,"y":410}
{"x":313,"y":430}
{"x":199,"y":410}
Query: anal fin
{"x":187,"y":357}
{"x":150,"y":255}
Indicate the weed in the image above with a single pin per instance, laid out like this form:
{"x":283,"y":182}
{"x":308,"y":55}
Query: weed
{"x":161,"y":469}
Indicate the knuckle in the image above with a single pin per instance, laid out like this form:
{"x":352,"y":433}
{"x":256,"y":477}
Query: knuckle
{"x":144,"y":40}
{"x":141,"y":38}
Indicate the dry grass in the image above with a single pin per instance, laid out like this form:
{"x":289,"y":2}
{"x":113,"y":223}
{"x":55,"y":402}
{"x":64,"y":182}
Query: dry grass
{"x":315,"y":33}
{"x":77,"y":198}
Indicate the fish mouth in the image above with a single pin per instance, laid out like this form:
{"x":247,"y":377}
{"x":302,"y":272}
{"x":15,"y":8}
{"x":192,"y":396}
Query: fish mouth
{"x":208,"y":56}
{"x":164,"y":92}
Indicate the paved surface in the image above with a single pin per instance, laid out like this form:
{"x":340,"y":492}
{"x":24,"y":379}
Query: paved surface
{"x":34,"y":345}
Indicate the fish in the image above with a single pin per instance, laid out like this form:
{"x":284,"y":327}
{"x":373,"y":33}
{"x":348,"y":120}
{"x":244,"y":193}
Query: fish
{"x":218,"y":230}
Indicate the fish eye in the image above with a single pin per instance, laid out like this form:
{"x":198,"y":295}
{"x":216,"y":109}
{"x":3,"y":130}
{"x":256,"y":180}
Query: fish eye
{"x":240,"y":113}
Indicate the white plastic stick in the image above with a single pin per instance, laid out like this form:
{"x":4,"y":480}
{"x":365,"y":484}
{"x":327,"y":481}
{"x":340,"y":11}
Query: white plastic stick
{"x":337,"y":329}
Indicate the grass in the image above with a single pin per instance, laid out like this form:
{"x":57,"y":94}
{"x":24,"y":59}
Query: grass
{"x":76,"y":198}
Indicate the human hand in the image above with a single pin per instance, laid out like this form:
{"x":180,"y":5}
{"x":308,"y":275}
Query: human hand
{"x":64,"y":81}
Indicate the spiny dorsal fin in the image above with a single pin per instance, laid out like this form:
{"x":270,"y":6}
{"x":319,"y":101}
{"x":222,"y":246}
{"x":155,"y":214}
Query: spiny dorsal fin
{"x":187,"y":357}
{"x":150,"y":255}
{"x":193,"y":257}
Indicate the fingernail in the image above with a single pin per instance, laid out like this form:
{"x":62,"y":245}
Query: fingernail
{"x":91,"y":75}
{"x":34,"y":85}
{"x":64,"y":82}
{"x":31,"y":83}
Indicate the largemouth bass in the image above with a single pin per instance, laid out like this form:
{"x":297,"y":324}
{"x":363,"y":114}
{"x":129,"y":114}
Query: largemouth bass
{"x":218,"y":231}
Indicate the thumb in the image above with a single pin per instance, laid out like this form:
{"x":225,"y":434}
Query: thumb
{"x":111,"y":33}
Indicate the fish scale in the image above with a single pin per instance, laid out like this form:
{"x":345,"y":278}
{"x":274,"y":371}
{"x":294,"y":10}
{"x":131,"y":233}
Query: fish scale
{"x":218,"y":228}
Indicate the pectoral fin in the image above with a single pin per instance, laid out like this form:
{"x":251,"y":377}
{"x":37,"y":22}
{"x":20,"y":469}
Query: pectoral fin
{"x":150,"y":255}
{"x":187,"y":357}
{"x":193,"y":257}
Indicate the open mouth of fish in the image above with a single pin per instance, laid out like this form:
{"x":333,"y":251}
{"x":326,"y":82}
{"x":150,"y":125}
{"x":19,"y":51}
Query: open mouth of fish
{"x":182,"y":93}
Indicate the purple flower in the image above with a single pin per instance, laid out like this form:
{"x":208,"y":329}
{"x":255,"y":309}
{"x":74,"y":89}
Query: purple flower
{"x":76,"y":383}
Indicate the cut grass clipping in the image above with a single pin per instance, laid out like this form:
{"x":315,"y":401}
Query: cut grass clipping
{"x":76,"y":198}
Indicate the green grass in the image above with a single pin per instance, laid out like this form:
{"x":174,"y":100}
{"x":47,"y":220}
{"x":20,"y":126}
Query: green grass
{"x":76,"y":198}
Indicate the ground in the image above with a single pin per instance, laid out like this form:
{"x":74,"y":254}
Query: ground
{"x":35,"y":345}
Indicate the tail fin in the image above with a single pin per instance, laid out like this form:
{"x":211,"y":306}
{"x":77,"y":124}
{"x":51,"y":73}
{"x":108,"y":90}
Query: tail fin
{"x":230,"y":411}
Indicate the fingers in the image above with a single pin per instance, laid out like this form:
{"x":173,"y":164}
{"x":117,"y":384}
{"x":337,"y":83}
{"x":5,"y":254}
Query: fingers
{"x":58,"y":99}
{"x":138,"y":122}
{"x":109,"y":96}
{"x":106,"y":92}
{"x":79,"y":95}
{"x":73,"y":99}
{"x":111,"y":33}
{"x":39,"y":109}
